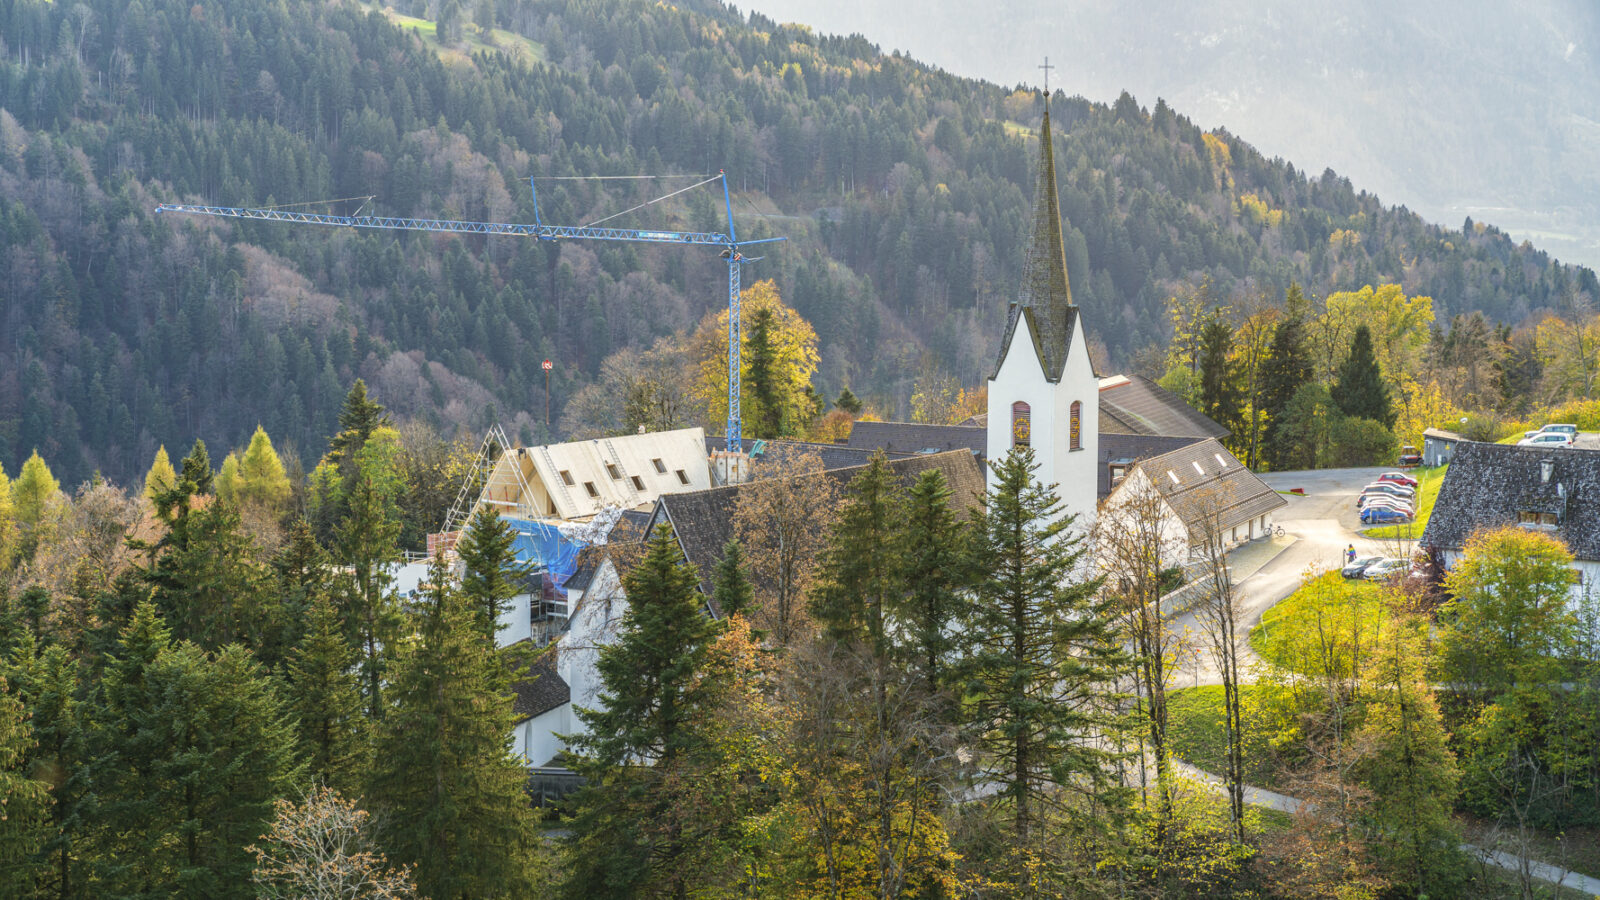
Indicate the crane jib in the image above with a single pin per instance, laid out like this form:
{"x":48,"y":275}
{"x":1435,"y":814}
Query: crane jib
{"x":453,"y":226}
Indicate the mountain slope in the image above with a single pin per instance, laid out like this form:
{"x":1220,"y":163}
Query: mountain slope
{"x":901,"y":187}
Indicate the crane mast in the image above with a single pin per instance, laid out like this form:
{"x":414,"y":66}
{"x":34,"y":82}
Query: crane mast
{"x":731,"y":246}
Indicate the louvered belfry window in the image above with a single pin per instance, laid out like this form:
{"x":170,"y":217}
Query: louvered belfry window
{"x":1021,"y":425}
{"x":1075,"y":426}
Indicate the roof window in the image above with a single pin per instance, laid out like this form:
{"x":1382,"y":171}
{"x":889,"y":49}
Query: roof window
{"x":661,"y":467}
{"x":683,"y":477}
{"x":593,"y":491}
{"x":1220,"y":461}
{"x":611,"y":469}
{"x":1173,"y":475}
{"x":1197,"y":469}
{"x":566,"y":478}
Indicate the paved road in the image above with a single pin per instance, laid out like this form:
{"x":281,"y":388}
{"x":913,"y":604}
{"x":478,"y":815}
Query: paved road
{"x":1324,"y":522}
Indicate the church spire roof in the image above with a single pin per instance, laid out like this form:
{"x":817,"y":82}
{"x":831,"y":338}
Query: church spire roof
{"x":1045,"y":297}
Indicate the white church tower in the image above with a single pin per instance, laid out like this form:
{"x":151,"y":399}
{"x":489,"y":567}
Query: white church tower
{"x":1044,"y":392}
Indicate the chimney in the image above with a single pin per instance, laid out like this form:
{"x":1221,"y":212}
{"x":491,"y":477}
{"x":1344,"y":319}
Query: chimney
{"x":1546,"y":467}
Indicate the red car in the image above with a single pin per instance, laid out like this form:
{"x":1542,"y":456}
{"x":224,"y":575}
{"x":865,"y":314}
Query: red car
{"x":1399,"y":478}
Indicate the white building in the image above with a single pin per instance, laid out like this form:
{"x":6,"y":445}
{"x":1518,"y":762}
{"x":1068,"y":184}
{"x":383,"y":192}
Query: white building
{"x":576,"y":480}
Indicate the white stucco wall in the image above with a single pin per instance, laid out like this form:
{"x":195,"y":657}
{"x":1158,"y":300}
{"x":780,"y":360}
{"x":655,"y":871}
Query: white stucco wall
{"x":534,"y":740}
{"x":1588,"y":576}
{"x":1125,"y":510}
{"x":1021,"y":377}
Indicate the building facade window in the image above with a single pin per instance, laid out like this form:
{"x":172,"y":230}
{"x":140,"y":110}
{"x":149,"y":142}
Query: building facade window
{"x":1075,"y":426}
{"x":1021,"y":425}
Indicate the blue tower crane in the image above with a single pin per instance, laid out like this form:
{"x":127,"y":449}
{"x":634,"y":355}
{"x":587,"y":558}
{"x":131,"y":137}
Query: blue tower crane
{"x":732,"y":250}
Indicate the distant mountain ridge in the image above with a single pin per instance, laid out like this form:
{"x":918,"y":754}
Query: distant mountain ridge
{"x":902,"y":188}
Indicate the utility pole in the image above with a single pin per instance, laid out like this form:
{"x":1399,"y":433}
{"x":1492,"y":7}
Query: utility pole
{"x":546,"y":367}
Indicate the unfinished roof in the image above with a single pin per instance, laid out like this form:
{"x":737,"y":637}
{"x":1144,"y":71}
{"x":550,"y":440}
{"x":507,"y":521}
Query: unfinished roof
{"x":1207,"y":487}
{"x":912,"y":437}
{"x":1133,"y":404}
{"x":703,"y":520}
{"x":1491,"y":485}
{"x":577,"y":479}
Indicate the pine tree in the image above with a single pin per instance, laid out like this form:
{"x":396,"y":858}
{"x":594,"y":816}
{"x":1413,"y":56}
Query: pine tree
{"x":651,"y":701}
{"x":933,"y":559}
{"x":327,"y":703}
{"x":161,"y":476}
{"x":191,"y":753}
{"x":262,"y":481}
{"x":1040,"y":652}
{"x":861,"y":566}
{"x":1358,"y":389}
{"x":357,"y":421}
{"x":23,"y":799}
{"x":732,"y":593}
{"x":1288,"y":366}
{"x":450,"y":793}
{"x":492,"y":573}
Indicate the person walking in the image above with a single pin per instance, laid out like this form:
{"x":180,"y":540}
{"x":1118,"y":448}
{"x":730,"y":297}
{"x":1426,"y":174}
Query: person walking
{"x":1350,"y":554}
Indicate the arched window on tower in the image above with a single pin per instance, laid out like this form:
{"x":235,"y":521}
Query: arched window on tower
{"x":1075,"y":426}
{"x":1021,"y":425}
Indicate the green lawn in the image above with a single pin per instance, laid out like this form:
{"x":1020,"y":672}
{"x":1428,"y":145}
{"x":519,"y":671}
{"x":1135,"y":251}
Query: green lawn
{"x":473,"y":38}
{"x":1428,"y":481}
{"x":1321,"y":621}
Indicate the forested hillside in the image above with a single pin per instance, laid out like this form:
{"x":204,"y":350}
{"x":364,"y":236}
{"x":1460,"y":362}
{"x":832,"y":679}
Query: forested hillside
{"x":903,"y":190}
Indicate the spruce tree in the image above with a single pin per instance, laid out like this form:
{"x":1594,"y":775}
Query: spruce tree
{"x":360,"y":417}
{"x":448,"y":790}
{"x":48,"y":684}
{"x":760,"y":362}
{"x":23,"y":802}
{"x":196,"y":471}
{"x":860,"y":568}
{"x":492,"y":574}
{"x":651,"y":700}
{"x":1220,"y":394}
{"x":161,"y":476}
{"x":732,"y":593}
{"x":190,"y":754}
{"x":1358,"y":389}
{"x":327,"y":703}
{"x":933,"y":560}
{"x":849,"y":402}
{"x":1288,"y":366}
{"x":209,"y":584}
{"x":366,"y":541}
{"x":1041,"y":652}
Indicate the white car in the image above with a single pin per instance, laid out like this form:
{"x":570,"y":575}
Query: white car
{"x":1547,"y":439}
{"x":1388,"y":503}
{"x":1569,"y":430}
{"x":1382,"y":570}
{"x":1390,"y":488}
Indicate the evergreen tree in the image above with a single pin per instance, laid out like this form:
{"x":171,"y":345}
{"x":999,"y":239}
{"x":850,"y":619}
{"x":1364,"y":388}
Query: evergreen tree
{"x":849,"y":402}
{"x":262,"y":481}
{"x":449,"y":792}
{"x":357,"y":421}
{"x":860,"y":569}
{"x":8,"y":525}
{"x":651,"y":700}
{"x":191,"y":753}
{"x":1287,"y":368}
{"x":732,"y":593}
{"x":492,"y":574}
{"x":161,"y":476}
{"x":1040,"y":653}
{"x":47,"y":683}
{"x":766,"y":417}
{"x":303,"y":575}
{"x":366,"y":544}
{"x":23,"y":800}
{"x":1358,"y":389}
{"x":1220,"y":395}
{"x":327,"y":703}
{"x":209,"y":584}
{"x":196,"y":471}
{"x":933,"y":559}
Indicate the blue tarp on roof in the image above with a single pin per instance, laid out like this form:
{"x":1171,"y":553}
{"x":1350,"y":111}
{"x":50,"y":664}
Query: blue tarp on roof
{"x":545,"y":546}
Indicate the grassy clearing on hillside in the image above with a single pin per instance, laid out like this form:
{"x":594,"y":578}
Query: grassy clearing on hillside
{"x":1319,"y":624}
{"x":473,"y":39}
{"x":1428,"y":482}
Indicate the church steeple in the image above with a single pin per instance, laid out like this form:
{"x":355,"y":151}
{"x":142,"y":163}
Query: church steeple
{"x":1045,"y":296}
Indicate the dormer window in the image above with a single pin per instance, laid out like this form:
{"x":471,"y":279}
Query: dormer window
{"x":1530,"y":519}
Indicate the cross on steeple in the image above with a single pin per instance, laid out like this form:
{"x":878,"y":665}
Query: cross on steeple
{"x":1047,"y":67}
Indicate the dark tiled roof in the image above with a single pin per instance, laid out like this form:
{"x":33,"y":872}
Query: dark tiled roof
{"x":911,"y":437}
{"x":543,"y":689}
{"x":833,"y":456}
{"x":630,"y":528}
{"x":1225,"y":489}
{"x":1487,"y":485}
{"x":1045,"y":297}
{"x":1143,"y":407}
{"x":1116,"y":447}
{"x":703,"y":520}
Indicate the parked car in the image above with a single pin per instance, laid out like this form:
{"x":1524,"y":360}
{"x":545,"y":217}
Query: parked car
{"x":1366,"y":501}
{"x":1566,"y":429}
{"x":1354,"y":569}
{"x":1385,"y":568}
{"x":1390,"y":488}
{"x":1547,"y":439}
{"x":1399,"y":478}
{"x":1409,"y":457}
{"x":1399,"y":508}
{"x":1384,"y":515}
